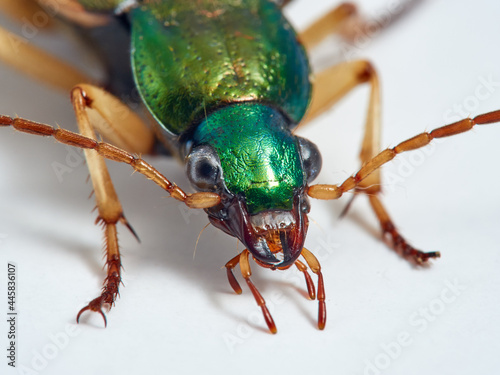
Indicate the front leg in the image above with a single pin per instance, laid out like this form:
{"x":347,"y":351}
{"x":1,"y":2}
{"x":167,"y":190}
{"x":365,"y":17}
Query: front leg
{"x":113,"y":278}
{"x":372,"y":165}
{"x":134,"y":136}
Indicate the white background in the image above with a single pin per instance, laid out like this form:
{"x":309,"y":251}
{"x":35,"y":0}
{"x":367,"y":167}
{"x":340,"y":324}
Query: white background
{"x":178,"y":315}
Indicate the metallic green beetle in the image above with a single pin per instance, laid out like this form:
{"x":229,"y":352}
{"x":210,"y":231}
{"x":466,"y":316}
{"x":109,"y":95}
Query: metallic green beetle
{"x":227,"y":102}
{"x":227,"y":81}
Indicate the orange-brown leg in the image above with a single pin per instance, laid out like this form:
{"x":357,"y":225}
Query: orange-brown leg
{"x":112,"y":119}
{"x":20,"y":54}
{"x":334,"y":83}
{"x":111,"y":152}
{"x":110,"y":211}
{"x":36,"y":63}
{"x":315,"y":267}
{"x":372,"y":185}
{"x":109,"y":208}
{"x":346,"y":76}
{"x":367,"y":180}
{"x":134,"y":136}
{"x":331,"y":22}
{"x":395,"y":240}
{"x":113,"y":263}
{"x":345,"y":20}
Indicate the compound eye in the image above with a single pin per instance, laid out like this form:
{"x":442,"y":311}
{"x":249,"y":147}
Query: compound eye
{"x":311,"y":158}
{"x":203,"y":168}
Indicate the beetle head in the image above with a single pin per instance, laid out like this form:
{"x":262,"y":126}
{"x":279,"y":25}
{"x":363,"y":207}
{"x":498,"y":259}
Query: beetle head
{"x":248,"y":156}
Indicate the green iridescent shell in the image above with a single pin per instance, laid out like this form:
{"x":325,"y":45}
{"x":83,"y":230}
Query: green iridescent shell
{"x":192,"y":57}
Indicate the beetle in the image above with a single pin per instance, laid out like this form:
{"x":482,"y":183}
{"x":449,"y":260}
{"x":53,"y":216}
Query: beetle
{"x":269,"y":216}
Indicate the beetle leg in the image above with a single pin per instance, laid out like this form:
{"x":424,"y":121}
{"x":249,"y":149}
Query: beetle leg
{"x":346,"y":21}
{"x":113,"y":263}
{"x":315,"y":267}
{"x":108,"y":205}
{"x":247,"y":272}
{"x":111,"y":152}
{"x":330,"y":23}
{"x":35,"y":62}
{"x":373,"y":165}
{"x":346,"y":76}
{"x":133,"y":136}
{"x":115,"y":121}
{"x":349,"y":75}
{"x":333,"y":83}
{"x":394,"y":239}
{"x":372,"y":185}
{"x":19,"y":53}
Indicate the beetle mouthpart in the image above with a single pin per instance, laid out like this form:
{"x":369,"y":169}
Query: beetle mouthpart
{"x":280,"y":234}
{"x":272,"y":221}
{"x":275,"y":238}
{"x":277,"y":248}
{"x":272,"y":228}
{"x":261,"y":251}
